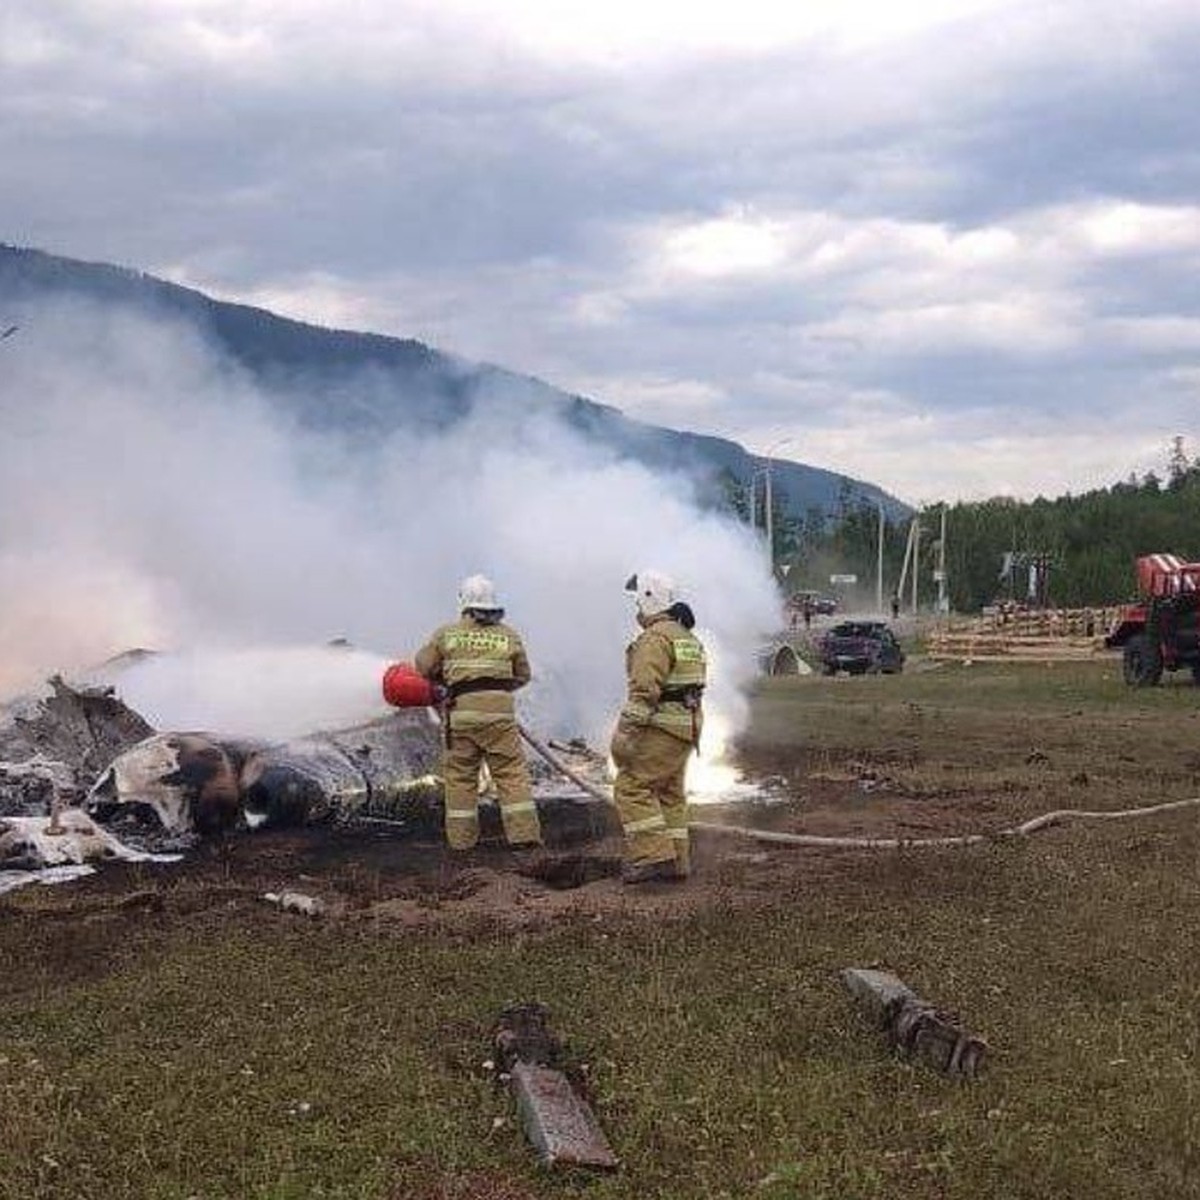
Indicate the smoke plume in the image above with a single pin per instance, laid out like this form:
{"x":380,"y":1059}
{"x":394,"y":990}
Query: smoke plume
{"x":151,"y":495}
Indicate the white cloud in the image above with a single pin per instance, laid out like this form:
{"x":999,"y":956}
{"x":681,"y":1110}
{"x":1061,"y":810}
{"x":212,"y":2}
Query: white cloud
{"x":316,"y":297}
{"x":613,"y":33}
{"x":1156,"y":333}
{"x":1124,"y":228}
{"x":925,"y":457}
{"x":722,"y":247}
{"x":662,"y":396}
{"x":1022,"y":325}
{"x":735,"y":216}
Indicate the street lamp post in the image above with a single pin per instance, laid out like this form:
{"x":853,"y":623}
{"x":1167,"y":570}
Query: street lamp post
{"x":879,"y":563}
{"x":767,"y":501}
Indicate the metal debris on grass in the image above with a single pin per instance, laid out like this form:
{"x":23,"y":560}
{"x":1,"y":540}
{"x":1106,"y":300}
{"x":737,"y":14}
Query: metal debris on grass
{"x":914,"y":1026}
{"x":557,"y":1121}
{"x":297,"y":902}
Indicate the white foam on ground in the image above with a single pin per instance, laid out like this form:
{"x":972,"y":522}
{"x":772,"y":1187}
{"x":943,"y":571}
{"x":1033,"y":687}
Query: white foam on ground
{"x":711,"y":779}
{"x":11,"y":880}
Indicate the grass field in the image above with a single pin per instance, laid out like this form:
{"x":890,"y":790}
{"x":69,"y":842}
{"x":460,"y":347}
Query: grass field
{"x":166,"y":1034}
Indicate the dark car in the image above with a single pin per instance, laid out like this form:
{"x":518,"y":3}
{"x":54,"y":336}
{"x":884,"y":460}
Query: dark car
{"x":817,"y":605}
{"x":861,"y":647}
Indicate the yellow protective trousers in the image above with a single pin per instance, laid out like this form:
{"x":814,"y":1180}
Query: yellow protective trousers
{"x":650,"y":798}
{"x":475,"y":739}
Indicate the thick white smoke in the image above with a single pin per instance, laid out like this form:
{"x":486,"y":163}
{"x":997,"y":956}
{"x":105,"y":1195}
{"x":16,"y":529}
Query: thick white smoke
{"x":149,"y":496}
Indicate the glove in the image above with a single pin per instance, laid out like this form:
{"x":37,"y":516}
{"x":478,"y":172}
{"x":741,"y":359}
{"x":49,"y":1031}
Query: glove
{"x":624,"y":743}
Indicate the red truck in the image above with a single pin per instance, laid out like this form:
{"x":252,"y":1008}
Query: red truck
{"x":1161,"y":631}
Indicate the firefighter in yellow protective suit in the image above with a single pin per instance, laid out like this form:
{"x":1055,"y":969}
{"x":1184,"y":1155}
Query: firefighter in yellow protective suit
{"x":657,"y":731}
{"x":480,"y":662}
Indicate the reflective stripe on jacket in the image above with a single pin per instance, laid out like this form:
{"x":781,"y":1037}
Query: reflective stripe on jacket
{"x":469,"y":651}
{"x":664,"y":657}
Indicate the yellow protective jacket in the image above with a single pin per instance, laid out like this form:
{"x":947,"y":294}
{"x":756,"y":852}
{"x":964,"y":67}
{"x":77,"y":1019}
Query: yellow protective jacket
{"x":471,"y":653}
{"x":662,"y":660}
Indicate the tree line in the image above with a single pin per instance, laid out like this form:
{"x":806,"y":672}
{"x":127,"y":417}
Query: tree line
{"x":1088,"y":542}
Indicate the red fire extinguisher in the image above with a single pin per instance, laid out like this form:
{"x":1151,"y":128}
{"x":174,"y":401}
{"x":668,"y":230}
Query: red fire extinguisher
{"x":403,"y":687}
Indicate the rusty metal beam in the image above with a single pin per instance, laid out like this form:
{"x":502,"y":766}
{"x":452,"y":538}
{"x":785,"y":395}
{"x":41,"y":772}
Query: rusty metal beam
{"x":914,"y":1026}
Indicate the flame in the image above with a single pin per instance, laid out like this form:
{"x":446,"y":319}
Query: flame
{"x":711,"y":777}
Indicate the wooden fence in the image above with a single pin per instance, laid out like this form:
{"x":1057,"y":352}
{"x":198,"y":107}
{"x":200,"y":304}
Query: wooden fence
{"x":1042,"y":635}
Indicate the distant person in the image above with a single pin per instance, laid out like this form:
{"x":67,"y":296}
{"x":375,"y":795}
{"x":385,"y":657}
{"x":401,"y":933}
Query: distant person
{"x":895,"y":607}
{"x":659,"y":727}
{"x":808,"y":612}
{"x":480,"y":662}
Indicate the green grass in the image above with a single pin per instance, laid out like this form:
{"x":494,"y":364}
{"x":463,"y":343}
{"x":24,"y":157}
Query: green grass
{"x":1071,"y":731}
{"x":167,"y":1055}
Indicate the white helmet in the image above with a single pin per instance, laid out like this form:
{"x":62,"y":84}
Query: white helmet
{"x":477,"y":591}
{"x":653,"y":592}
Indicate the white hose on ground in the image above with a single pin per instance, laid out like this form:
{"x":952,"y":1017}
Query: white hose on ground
{"x":967,"y":839}
{"x":855,"y":843}
{"x":852,"y":843}
{"x":1069,"y":814}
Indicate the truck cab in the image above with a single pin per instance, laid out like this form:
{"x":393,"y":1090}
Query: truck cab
{"x":1161,"y":630}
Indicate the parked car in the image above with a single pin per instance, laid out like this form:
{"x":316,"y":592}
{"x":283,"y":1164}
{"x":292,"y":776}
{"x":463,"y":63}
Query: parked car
{"x":818,"y":605}
{"x":861,"y":647}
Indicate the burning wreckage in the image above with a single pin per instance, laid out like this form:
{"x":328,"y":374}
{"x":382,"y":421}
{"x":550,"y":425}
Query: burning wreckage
{"x":84,"y":778}
{"x":52,"y":745}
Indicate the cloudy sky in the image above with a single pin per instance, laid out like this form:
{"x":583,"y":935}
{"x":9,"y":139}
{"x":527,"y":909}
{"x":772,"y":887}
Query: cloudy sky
{"x":948,"y":246}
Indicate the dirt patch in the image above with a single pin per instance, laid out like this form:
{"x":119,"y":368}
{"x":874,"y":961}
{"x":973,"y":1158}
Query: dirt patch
{"x":365,"y":875}
{"x":566,"y":871}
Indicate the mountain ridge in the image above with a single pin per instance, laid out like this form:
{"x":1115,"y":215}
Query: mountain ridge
{"x":310,"y":368}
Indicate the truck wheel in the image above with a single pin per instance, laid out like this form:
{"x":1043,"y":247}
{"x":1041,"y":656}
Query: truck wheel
{"x":1142,"y":663}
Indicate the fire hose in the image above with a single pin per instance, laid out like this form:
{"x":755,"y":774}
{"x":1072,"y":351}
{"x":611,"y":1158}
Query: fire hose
{"x":404,"y":689}
{"x":969,"y":839}
{"x":597,"y":792}
{"x":1033,"y":825}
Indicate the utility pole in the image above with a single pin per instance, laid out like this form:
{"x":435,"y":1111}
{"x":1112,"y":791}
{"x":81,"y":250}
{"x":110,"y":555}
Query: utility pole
{"x":768,"y":502}
{"x":770,"y":521}
{"x":916,"y":549}
{"x":909,"y":559}
{"x":943,"y":604}
{"x":879,"y":565}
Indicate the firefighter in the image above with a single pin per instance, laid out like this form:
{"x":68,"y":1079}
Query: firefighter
{"x":657,"y":730}
{"x":479,"y":662}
